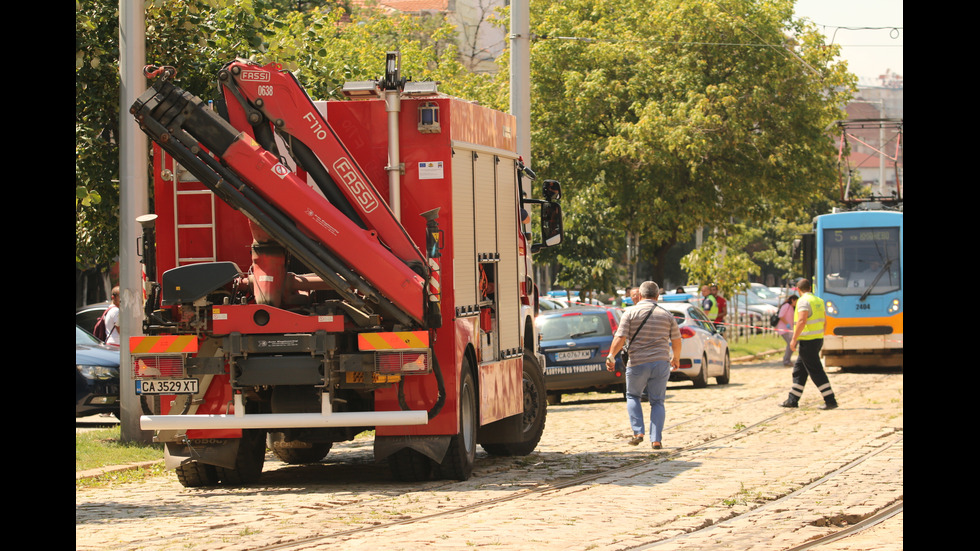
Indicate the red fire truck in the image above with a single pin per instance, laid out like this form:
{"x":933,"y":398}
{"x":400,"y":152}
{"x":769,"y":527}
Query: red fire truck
{"x":387,"y":280}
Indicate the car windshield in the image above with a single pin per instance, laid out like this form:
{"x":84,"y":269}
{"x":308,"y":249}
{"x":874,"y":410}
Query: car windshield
{"x":574,"y":326}
{"x":83,"y":337}
{"x":764,"y":293}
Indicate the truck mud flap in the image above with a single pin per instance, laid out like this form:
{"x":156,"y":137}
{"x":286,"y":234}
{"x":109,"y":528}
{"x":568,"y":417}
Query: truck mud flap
{"x":433,"y":447}
{"x":220,"y":453}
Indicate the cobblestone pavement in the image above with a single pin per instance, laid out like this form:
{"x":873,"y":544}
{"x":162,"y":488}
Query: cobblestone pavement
{"x":737,"y":472}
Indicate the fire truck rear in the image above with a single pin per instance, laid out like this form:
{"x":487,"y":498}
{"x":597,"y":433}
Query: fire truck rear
{"x":387,"y":280}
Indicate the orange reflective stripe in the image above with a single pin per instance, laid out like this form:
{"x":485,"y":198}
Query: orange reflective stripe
{"x":166,"y":344}
{"x":392,"y":341}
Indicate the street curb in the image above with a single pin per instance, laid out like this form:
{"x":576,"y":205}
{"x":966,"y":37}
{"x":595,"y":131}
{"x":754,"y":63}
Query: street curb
{"x":758,"y":356}
{"x":92,"y":473}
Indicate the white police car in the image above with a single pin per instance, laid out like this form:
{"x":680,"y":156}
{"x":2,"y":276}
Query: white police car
{"x":704,"y":350}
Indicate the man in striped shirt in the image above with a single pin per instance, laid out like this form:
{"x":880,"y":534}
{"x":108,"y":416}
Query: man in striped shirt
{"x":654,"y":349}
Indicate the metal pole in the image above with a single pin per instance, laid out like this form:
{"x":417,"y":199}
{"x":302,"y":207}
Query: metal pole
{"x":520,"y":76}
{"x":133,"y":202}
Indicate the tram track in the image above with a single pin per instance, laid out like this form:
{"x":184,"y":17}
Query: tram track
{"x":634,"y":468}
{"x":522,"y":494}
{"x":848,"y":526}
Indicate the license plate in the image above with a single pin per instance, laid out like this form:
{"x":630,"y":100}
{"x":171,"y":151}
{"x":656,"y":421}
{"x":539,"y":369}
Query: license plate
{"x":166,"y":386}
{"x":573,"y":355}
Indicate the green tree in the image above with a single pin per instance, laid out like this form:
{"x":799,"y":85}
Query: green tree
{"x":325,"y":43}
{"x":589,"y":261}
{"x":194,"y":36}
{"x":685,"y":113}
{"x":722,"y":260}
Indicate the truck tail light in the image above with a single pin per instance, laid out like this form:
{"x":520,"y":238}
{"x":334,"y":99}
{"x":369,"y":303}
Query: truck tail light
{"x":146,"y":367}
{"x":405,"y":362}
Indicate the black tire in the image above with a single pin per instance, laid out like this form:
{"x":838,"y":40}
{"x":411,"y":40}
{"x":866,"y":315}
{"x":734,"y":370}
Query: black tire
{"x":248,"y":460}
{"x":297,"y":456}
{"x":554,"y":398}
{"x":701,"y":380}
{"x":194,"y":474}
{"x":408,"y":465}
{"x":535,"y":412}
{"x":724,"y":379}
{"x":458,"y":463}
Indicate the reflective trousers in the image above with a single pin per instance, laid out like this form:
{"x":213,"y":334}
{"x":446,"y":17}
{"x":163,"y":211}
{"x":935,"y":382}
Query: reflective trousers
{"x":808,"y":365}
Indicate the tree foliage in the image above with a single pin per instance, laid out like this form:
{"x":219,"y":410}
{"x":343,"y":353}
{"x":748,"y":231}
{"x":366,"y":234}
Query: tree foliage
{"x":324,"y":42}
{"x":194,"y":36}
{"x":588,"y":260}
{"x":684,"y":113}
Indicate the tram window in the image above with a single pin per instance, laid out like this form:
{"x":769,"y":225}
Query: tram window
{"x":859,"y":258}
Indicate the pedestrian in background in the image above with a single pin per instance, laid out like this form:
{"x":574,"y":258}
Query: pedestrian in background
{"x":709,"y":303}
{"x":653,"y":341}
{"x":112,"y":320}
{"x":808,"y":332}
{"x":785,"y":327}
{"x":722,"y":305}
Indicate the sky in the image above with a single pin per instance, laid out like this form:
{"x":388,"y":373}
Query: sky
{"x":869,"y":52}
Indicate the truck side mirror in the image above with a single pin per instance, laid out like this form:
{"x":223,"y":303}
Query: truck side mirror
{"x":551,"y":224}
{"x":551,"y":216}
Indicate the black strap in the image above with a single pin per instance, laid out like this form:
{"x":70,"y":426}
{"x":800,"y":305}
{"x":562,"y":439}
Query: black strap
{"x":637,"y":332}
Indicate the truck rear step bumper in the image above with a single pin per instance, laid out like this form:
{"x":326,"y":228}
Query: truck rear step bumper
{"x":283,"y":420}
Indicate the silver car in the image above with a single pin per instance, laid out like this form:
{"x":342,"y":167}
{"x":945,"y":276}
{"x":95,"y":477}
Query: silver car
{"x":704,"y":350}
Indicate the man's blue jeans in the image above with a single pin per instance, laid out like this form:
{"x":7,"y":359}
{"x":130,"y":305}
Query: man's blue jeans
{"x":651,"y":377}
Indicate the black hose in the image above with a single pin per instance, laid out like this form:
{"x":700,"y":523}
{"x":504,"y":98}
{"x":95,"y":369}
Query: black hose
{"x":440,"y":384}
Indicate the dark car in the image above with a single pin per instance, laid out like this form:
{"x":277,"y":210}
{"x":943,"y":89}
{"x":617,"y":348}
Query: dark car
{"x":96,"y":376}
{"x":86,"y":316}
{"x":575,"y":342}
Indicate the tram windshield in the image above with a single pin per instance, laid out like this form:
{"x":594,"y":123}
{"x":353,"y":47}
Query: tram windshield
{"x":862,"y":261}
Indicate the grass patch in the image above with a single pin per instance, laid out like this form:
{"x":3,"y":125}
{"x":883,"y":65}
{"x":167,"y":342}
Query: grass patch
{"x":104,"y":447}
{"x":756,"y":344}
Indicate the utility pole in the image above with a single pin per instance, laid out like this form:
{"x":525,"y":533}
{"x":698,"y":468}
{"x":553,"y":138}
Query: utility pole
{"x":520,"y":76}
{"x":133,"y":202}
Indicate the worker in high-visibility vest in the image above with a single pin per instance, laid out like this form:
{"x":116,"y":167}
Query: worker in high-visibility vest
{"x":709,"y":303}
{"x":808,"y":335}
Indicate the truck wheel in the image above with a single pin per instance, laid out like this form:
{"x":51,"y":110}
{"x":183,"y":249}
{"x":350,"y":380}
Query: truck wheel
{"x":295,"y":455}
{"x":248,"y":460}
{"x":194,"y":474}
{"x":408,"y":465}
{"x":458,"y":463}
{"x":554,"y":398}
{"x":535,"y":412}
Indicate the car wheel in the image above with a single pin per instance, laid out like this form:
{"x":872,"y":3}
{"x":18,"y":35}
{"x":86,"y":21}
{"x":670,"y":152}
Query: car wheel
{"x":701,"y":380}
{"x":724,"y":378}
{"x":554,"y":398}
